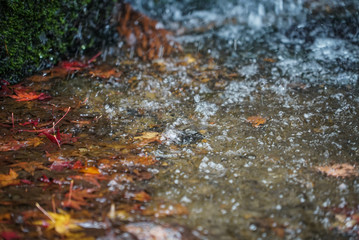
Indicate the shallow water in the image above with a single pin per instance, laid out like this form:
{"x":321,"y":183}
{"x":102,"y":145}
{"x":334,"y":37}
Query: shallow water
{"x":283,"y":60}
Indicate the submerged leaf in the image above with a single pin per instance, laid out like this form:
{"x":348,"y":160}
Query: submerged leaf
{"x":135,"y":160}
{"x":339,"y":170}
{"x":256,"y":121}
{"x":165,"y":210}
{"x":78,"y":198}
{"x":26,"y":95}
{"x":30,"y":167}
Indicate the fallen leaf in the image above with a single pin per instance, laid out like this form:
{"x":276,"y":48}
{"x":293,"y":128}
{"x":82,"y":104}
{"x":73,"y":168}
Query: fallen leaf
{"x":148,"y":137}
{"x":60,"y":165}
{"x":91,"y":178}
{"x":90,"y":170}
{"x":26,"y":95}
{"x":78,"y":198}
{"x":9,"y":235}
{"x":271,"y":60}
{"x":141,"y":196}
{"x":73,"y":65}
{"x":106,"y":74}
{"x":5,"y":217}
{"x":13,"y":145}
{"x":9,"y":179}
{"x":135,"y":160}
{"x":165,"y":210}
{"x":339,"y":170}
{"x":30,"y":167}
{"x":256,"y":121}
{"x":62,"y":223}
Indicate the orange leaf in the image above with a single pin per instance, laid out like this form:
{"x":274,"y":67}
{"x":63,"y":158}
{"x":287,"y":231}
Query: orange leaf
{"x":102,"y":73}
{"x":134,"y":160}
{"x":339,"y":170}
{"x":91,"y":170}
{"x":25,"y":95}
{"x":256,"y":121}
{"x":78,"y":198}
{"x":271,"y":60}
{"x":9,"y":179}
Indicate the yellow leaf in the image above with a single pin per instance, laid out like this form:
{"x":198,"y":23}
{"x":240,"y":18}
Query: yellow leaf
{"x":62,"y":223}
{"x":9,"y":179}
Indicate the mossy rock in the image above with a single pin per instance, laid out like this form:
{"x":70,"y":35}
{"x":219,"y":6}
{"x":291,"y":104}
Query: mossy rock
{"x":36,"y":34}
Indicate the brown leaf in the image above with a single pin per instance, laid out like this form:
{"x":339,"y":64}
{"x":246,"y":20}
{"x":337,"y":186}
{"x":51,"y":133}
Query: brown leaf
{"x":256,"y":121}
{"x":339,"y":170}
{"x":78,"y":198}
{"x":30,"y":167}
{"x":139,"y":196}
{"x":105,"y":73}
{"x":13,"y":145}
{"x":137,"y":161}
{"x":148,"y":137}
{"x":165,"y":210}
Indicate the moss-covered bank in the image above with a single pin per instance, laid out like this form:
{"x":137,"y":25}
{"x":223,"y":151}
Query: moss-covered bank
{"x":36,"y":34}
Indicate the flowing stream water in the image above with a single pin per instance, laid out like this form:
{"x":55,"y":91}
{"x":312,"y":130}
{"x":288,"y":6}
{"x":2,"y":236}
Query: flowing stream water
{"x":294,"y":63}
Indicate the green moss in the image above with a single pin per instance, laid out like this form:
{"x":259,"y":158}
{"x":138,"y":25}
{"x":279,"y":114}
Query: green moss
{"x":36,"y":34}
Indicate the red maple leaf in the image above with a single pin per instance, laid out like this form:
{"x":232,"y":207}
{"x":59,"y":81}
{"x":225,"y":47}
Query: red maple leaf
{"x":26,"y":95}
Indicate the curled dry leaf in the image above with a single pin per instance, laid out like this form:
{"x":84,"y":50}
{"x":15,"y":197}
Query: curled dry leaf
{"x":256,"y":121}
{"x":339,"y":170}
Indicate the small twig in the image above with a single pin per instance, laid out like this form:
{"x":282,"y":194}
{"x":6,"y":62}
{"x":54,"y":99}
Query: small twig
{"x":53,"y":203}
{"x":62,"y":117}
{"x":84,"y":101}
{"x":70,"y":193}
{"x":12,"y":119}
{"x":44,"y":212}
{"x":94,"y":57}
